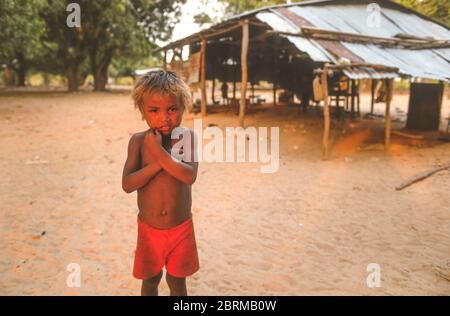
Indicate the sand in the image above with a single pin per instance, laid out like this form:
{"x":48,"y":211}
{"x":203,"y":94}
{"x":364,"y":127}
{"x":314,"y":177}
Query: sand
{"x":311,"y":228}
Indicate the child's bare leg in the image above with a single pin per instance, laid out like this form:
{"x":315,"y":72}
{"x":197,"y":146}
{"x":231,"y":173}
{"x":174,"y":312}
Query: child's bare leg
{"x":150,"y":286}
{"x":177,"y":285}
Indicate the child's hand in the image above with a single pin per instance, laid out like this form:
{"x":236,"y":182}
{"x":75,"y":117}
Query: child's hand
{"x":152,"y":142}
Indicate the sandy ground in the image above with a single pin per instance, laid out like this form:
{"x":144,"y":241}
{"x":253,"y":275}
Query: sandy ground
{"x":310,"y":228}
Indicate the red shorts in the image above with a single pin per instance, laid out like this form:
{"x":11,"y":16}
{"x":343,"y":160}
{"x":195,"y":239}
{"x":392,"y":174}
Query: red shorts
{"x":174,"y":248}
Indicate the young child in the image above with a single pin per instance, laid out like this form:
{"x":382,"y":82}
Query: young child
{"x":163,"y":183}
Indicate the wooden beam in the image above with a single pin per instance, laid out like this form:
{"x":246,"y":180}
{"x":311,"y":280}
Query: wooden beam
{"x":389,"y":90}
{"x":245,"y":36}
{"x":260,"y":24}
{"x":316,"y":33}
{"x":373,"y":66}
{"x":326,"y":114}
{"x":199,"y":36}
{"x":203,"y":77}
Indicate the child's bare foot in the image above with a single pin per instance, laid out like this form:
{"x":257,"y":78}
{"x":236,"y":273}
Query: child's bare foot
{"x":177,"y":285}
{"x":150,"y":286}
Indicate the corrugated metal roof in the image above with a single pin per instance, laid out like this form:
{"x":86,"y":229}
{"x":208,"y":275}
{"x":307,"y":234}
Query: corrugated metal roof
{"x":322,"y":3}
{"x":365,"y":73}
{"x":352,"y":18}
{"x":415,"y":63}
{"x":355,"y":18}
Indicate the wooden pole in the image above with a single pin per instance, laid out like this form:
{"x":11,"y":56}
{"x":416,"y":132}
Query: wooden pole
{"x":244,"y":71}
{"x":253,"y":90}
{"x":352,"y":100}
{"x":389,"y":88}
{"x":326,"y":113}
{"x":373,"y":83}
{"x":274,"y":92}
{"x":274,"y":73}
{"x":358,"y":103}
{"x":203,"y":77}
{"x":165,"y":60}
{"x":212,"y":90}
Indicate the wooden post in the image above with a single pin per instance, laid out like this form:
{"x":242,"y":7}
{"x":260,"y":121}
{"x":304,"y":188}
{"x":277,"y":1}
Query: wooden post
{"x":203,"y":77}
{"x":253,"y":90}
{"x":326,"y":113}
{"x":352,"y":100}
{"x":212,"y":90}
{"x":373,"y":83}
{"x":165,"y":60}
{"x":244,"y":71}
{"x":274,"y":93}
{"x":358,"y":103}
{"x":274,"y":73}
{"x":389,"y":90}
{"x":234,"y":88}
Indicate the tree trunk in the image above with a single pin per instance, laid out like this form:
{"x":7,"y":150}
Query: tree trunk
{"x":73,"y":73}
{"x":21,"y":75}
{"x":100,"y":79}
{"x":100,"y":68}
{"x":21,"y":70}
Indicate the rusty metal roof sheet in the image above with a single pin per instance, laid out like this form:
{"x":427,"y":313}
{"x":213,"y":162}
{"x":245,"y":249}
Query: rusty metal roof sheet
{"x":356,"y":18}
{"x":352,"y":18}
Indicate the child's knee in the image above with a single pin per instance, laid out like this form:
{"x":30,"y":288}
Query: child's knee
{"x":175,"y":282}
{"x":154,"y":281}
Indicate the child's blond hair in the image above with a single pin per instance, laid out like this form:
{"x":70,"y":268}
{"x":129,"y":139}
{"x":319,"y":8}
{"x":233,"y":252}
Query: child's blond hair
{"x":162,"y":82}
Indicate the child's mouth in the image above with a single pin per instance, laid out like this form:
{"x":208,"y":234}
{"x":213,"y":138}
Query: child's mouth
{"x":164,"y":129}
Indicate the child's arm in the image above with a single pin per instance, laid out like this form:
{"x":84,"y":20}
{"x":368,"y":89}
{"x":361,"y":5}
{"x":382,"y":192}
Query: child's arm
{"x":132,"y":177}
{"x":184,"y":171}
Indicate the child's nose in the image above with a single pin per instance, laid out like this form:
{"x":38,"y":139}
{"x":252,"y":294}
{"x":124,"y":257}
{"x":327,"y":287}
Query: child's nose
{"x":164,"y":117}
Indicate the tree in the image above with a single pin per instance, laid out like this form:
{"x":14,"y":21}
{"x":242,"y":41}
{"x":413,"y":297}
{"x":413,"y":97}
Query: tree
{"x":436,"y":9}
{"x":70,"y":45}
{"x":108,"y":28}
{"x":20,"y":36}
{"x":235,"y":7}
{"x":125,"y":29}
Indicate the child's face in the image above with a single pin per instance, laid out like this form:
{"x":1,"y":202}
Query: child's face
{"x":162,"y":112}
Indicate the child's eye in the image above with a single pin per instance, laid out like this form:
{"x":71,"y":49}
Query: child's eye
{"x":152,"y":110}
{"x":173,"y":110}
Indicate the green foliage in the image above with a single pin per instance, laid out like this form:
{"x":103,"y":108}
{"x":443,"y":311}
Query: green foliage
{"x":203,"y":18}
{"x":34,"y":34}
{"x":436,"y":9}
{"x":20,"y":36}
{"x":235,"y":7}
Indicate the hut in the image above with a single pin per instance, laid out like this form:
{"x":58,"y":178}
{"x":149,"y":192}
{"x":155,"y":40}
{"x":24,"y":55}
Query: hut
{"x":289,"y":45}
